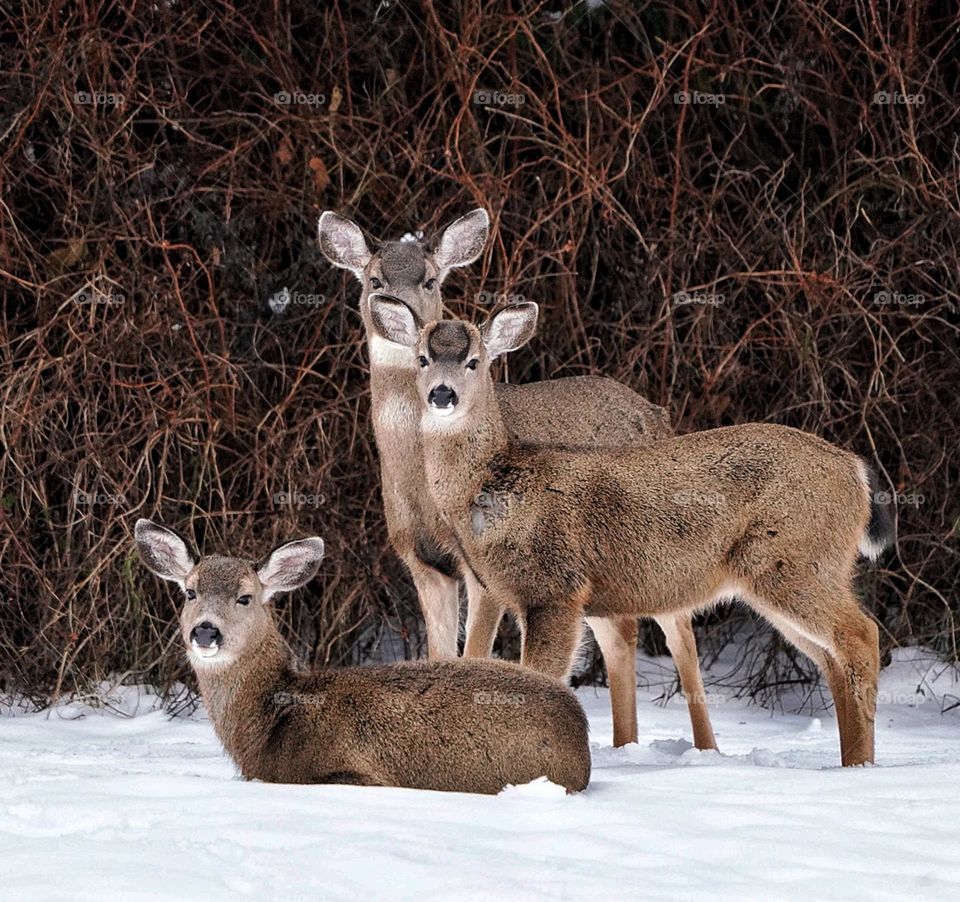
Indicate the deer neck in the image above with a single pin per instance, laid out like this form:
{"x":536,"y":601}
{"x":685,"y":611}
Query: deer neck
{"x":395,"y":411}
{"x":457,"y":455}
{"x":394,"y":406}
{"x":238,"y":695}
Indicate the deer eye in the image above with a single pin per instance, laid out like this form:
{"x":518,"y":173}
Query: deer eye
{"x":423,"y":360}
{"x":191,"y":595}
{"x":244,"y":599}
{"x":376,"y":283}
{"x":429,"y":284}
{"x":472,"y":364}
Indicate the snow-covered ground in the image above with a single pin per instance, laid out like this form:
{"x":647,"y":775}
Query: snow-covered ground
{"x":100,"y":806}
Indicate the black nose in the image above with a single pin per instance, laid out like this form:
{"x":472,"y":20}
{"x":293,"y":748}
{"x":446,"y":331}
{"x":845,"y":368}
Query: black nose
{"x":442,"y":396}
{"x":205,"y":634}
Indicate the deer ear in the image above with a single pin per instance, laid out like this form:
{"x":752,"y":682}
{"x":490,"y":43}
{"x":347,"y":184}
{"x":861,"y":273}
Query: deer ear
{"x":343,"y":243}
{"x":509,"y":328}
{"x":394,"y":320}
{"x":163,"y":551}
{"x":290,"y":566}
{"x":462,"y":241}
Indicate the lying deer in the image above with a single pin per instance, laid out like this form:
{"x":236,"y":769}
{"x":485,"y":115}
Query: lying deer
{"x":770,"y":515}
{"x":462,"y":726}
{"x":582,"y":410}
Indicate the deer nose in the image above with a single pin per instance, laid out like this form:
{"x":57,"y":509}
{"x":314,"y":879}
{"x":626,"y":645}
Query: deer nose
{"x":205,"y":634}
{"x":442,"y":396}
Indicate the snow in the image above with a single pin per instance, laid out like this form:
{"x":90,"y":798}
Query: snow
{"x":96,"y":804}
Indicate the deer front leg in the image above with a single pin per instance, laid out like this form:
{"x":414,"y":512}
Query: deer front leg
{"x":483,"y":619}
{"x":439,"y":597}
{"x":550,"y":639}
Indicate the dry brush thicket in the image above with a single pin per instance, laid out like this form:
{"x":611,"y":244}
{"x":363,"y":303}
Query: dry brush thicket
{"x":748,"y":214}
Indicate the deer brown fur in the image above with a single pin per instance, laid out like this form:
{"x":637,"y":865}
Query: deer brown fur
{"x":766,"y":514}
{"x":463,"y":726}
{"x":586,"y":410}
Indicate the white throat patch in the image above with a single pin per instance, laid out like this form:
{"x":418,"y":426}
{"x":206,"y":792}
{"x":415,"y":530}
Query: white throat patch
{"x":206,"y":658}
{"x":447,"y":419}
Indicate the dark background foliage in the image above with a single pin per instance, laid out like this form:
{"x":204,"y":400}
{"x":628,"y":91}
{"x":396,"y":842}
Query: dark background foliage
{"x":748,"y":212}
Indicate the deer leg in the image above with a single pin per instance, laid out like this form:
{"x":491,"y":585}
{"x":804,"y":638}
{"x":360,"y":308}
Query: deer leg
{"x":844,"y":643}
{"x":682,"y":643}
{"x":550,"y":639}
{"x":856,"y":653}
{"x":440,"y":603}
{"x":826,"y":665}
{"x":483,"y":620}
{"x":617,"y":638}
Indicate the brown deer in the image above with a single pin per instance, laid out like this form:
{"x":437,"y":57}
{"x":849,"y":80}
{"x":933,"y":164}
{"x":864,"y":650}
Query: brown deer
{"x":458,"y":726}
{"x":583,"y":410}
{"x":766,"y":514}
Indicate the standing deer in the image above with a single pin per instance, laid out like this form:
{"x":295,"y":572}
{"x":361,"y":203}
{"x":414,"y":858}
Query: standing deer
{"x":458,"y":726}
{"x":583,"y":410}
{"x":766,"y":514}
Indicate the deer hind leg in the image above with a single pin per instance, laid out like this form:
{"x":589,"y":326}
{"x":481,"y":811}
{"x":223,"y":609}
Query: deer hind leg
{"x":682,"y":643}
{"x":617,"y":638}
{"x":844,"y":642}
{"x":439,"y":596}
{"x":483,"y":620}
{"x":826,"y":664}
{"x":856,"y":650}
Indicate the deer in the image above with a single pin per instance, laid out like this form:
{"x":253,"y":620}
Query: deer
{"x":454,"y":726}
{"x":768,"y":515}
{"x":581,"y":410}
